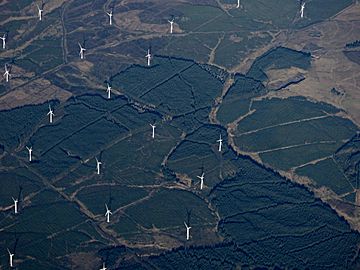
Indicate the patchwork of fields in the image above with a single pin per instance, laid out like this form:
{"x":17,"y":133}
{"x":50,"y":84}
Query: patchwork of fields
{"x":281,"y":193}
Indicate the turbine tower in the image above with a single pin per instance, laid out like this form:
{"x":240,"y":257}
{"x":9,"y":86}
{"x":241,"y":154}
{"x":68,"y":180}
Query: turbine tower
{"x":302,"y":10}
{"x":40,"y":11}
{"x":148,"y":56}
{"x":7,"y":73}
{"x":238,"y":4}
{"x":30,"y":152}
{"x":103,"y":268}
{"x":201,"y":180}
{"x":15,"y":205}
{"x":3,"y":41}
{"x":110,"y":14}
{"x":50,"y":114}
{"x":11,"y":255}
{"x":108,"y":90}
{"x":98,"y":163}
{"x":187,"y":231}
{"x":171,"y":25}
{"x":220,"y":141}
{"x":82,"y":50}
{"x":153,"y":130}
{"x":108,"y":213}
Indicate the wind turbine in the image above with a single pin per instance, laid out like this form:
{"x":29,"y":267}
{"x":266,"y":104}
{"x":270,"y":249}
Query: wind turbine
{"x":50,"y":114}
{"x":148,"y":56}
{"x":187,"y":231}
{"x":3,"y":41}
{"x":103,"y":267}
{"x":40,"y":11}
{"x":107,"y":214}
{"x":30,"y":152}
{"x":11,"y":255}
{"x":108,"y":90}
{"x":171,"y":25}
{"x":201,"y":180}
{"x":220,"y":141}
{"x":238,"y":4}
{"x":302,"y":10}
{"x":110,"y":14}
{"x":98,"y":163}
{"x":7,"y":73}
{"x":153,"y":130}
{"x":81,"y":53}
{"x":15,"y":205}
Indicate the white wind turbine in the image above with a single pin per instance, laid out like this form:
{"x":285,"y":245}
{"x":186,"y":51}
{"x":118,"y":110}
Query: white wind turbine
{"x":171,"y":25}
{"x":103,"y":267}
{"x":110,"y":14}
{"x":50,"y":114}
{"x":238,"y":4}
{"x":187,"y":231}
{"x":220,"y":141}
{"x":108,"y":213}
{"x":3,"y":41}
{"x":15,"y":205}
{"x":153,"y":130}
{"x":98,"y":163}
{"x":148,"y":56}
{"x":30,"y":152}
{"x":11,"y":255}
{"x":302,"y":10}
{"x":108,"y":90}
{"x":201,"y":177}
{"x":40,"y":11}
{"x":7,"y":73}
{"x":82,"y":50}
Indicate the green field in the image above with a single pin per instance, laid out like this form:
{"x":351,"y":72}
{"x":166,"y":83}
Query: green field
{"x":278,"y":58}
{"x":247,"y":216}
{"x":327,"y":173}
{"x":238,"y":98}
{"x":331,"y":129}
